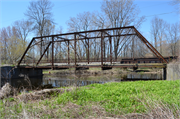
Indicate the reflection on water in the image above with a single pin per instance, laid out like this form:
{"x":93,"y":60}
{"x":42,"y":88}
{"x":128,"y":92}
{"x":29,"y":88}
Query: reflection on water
{"x":137,"y":76}
{"x":62,"y":83}
{"x":23,"y":82}
{"x":78,"y":80}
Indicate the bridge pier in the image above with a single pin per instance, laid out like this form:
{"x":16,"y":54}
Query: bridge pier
{"x":21,"y":76}
{"x":164,"y":72}
{"x":173,"y":71}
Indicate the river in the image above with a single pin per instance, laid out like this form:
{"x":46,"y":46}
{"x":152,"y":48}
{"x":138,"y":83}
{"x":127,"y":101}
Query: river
{"x":79,"y":80}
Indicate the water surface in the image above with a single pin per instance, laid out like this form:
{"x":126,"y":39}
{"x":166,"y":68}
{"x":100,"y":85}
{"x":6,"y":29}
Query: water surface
{"x":79,"y":80}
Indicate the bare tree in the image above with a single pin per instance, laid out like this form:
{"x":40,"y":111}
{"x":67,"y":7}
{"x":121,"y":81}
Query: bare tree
{"x":82,"y":22}
{"x":120,"y":13}
{"x":173,"y":38}
{"x":59,"y":30}
{"x":176,"y":4}
{"x":40,"y":13}
{"x":99,"y":21}
{"x":115,"y":13}
{"x":23,"y":28}
{"x":12,"y":46}
{"x":4,"y":44}
{"x":158,"y":32}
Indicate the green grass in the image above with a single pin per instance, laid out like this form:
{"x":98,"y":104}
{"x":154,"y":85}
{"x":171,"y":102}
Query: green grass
{"x":124,"y":96}
{"x":115,"y":98}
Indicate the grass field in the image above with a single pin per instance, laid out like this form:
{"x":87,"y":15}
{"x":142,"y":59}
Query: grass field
{"x":101,"y":100}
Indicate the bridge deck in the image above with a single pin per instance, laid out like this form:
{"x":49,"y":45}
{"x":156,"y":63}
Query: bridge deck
{"x":63,"y":66}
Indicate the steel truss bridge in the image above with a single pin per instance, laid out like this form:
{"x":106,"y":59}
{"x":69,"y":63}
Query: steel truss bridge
{"x":105,"y":48}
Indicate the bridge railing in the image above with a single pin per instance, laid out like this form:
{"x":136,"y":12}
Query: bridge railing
{"x":98,"y":60}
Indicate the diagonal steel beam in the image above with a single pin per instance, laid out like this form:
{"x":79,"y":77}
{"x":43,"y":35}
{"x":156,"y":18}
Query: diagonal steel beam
{"x":147,"y":43}
{"x":64,"y":39}
{"x":43,"y":53}
{"x":26,"y":51}
{"x":83,"y":36}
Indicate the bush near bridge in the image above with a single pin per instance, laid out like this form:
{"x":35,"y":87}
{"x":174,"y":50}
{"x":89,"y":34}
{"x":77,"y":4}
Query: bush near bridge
{"x":143,"y":98}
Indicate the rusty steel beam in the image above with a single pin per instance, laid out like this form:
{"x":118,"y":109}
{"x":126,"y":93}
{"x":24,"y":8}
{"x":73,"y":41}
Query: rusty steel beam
{"x":99,"y":30}
{"x":143,"y":38}
{"x":83,"y":36}
{"x":36,"y":43}
{"x":122,"y":39}
{"x":60,"y":49}
{"x":90,"y":66}
{"x":68,"y":53}
{"x":26,"y":51}
{"x":64,"y":39}
{"x":41,"y":47}
{"x":102,"y":39}
{"x":107,"y":34}
{"x":87,"y":43}
{"x":153,"y":52}
{"x":52,"y":66}
{"x":118,"y":60}
{"x":96,"y":37}
{"x":104,"y":33}
{"x":88,"y":51}
{"x":110,"y":41}
{"x":75,"y":50}
{"x":43,"y":53}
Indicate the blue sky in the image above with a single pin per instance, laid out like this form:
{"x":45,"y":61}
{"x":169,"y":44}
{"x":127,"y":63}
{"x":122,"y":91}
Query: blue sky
{"x":13,"y":10}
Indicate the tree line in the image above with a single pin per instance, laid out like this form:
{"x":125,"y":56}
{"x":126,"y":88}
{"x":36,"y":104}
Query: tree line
{"x":114,"y":13}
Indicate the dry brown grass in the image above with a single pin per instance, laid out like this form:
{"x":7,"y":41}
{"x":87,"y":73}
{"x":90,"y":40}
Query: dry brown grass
{"x":155,"y":110}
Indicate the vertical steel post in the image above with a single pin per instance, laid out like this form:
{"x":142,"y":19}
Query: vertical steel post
{"x":68,"y":53}
{"x":33,"y":57}
{"x":104,"y":50}
{"x":41,"y":48}
{"x":88,"y":51}
{"x":75,"y":49}
{"x":60,"y":52}
{"x":102,"y":39}
{"x":47,"y":58}
{"x":110,"y":39}
{"x":52,"y":52}
{"x":133,"y":50}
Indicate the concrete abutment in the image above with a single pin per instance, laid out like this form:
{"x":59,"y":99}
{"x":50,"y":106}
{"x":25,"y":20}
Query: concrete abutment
{"x":173,"y":71}
{"x":21,"y":76}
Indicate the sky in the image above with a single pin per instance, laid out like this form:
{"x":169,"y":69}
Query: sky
{"x":13,"y":10}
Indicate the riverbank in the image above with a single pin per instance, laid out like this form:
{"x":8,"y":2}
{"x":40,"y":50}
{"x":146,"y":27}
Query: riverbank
{"x":98,"y":71}
{"x":143,"y":99}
